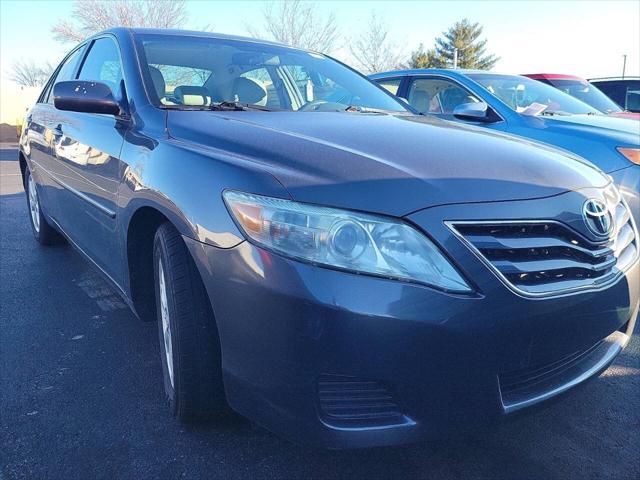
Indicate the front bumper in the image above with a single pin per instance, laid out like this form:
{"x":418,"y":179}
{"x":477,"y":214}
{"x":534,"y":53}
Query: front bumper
{"x":343,"y":360}
{"x":285,"y":325}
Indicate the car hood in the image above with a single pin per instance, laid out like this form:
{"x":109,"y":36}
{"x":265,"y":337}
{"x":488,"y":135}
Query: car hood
{"x":391,"y":164}
{"x":623,"y":131}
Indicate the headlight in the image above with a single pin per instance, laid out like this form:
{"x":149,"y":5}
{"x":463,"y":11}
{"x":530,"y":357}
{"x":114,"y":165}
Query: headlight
{"x":632,"y":154}
{"x":342,"y":239}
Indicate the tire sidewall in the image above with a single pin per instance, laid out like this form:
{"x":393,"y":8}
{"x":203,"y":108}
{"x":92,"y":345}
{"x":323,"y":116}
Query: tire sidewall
{"x":160,"y":255}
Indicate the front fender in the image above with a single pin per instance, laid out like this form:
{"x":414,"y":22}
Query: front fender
{"x":185,"y":183}
{"x":598,"y":150}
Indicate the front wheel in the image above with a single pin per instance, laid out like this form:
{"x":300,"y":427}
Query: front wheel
{"x":43,"y":232}
{"x":189,"y":343}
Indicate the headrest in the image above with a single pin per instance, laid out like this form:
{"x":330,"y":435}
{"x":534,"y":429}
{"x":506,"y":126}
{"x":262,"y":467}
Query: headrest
{"x":452,"y":97}
{"x":158,"y":81}
{"x":192,"y":95}
{"x":248,"y":91}
{"x":420,"y":100}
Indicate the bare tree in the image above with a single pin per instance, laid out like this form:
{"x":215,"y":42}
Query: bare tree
{"x":373,"y":50}
{"x":28,"y":74}
{"x":297,"y":23}
{"x":91,"y":16}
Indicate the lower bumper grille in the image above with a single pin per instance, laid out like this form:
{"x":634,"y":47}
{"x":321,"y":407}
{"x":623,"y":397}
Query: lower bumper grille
{"x":525,"y":387}
{"x":346,"y":399}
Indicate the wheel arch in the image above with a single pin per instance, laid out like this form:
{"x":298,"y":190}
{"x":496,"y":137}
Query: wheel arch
{"x":22,"y":160}
{"x":140,"y":234}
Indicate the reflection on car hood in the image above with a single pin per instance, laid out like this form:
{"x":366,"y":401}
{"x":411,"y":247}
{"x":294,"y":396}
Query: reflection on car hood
{"x":384,"y":163}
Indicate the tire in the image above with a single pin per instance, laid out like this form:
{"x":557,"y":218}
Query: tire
{"x":42,"y":230}
{"x":189,"y":343}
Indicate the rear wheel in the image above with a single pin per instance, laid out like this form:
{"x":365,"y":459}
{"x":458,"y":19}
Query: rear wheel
{"x":43,"y":232}
{"x":189,"y":344}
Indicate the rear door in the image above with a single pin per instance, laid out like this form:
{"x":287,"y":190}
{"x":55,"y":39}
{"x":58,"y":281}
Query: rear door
{"x":42,"y":132}
{"x":89,"y":155}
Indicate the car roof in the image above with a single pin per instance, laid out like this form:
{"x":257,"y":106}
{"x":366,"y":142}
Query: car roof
{"x":190,"y":33}
{"x":614,"y":79}
{"x":552,"y":76}
{"x":459,"y":72}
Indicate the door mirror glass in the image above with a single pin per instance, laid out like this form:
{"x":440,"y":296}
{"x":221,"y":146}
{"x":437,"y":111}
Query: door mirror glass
{"x":87,"y":97}
{"x":476,"y":111}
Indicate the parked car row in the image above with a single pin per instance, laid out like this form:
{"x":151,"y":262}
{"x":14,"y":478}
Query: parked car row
{"x":587,"y":92}
{"x":624,"y":91}
{"x":531,"y":109}
{"x":340,"y":267}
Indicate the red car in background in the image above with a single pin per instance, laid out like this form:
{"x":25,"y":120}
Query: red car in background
{"x":582,"y":90}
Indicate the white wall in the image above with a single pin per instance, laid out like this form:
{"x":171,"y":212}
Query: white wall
{"x":14,"y":102}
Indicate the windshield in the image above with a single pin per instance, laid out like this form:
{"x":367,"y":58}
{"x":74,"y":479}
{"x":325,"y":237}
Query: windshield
{"x":583,"y":90}
{"x":187,"y":72}
{"x":531,"y":97}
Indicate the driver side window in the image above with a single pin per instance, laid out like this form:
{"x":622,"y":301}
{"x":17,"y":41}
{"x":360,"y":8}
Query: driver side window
{"x":102,"y":64}
{"x":438,"y":96}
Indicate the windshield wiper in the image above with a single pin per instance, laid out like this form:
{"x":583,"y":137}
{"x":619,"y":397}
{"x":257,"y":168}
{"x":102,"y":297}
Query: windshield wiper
{"x":554,"y":112}
{"x":359,"y":109}
{"x":237,"y":107}
{"x":219,"y":106}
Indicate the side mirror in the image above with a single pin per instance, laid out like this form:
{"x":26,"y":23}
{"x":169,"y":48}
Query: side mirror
{"x":88,"y":97}
{"x":475,"y":112}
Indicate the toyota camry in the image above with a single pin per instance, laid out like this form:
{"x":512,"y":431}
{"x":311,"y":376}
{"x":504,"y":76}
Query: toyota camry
{"x":317,"y":256}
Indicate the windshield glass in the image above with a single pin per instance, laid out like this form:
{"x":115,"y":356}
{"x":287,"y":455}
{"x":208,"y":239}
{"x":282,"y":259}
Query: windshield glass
{"x":583,"y":90}
{"x":531,"y":97}
{"x":202,"y":72}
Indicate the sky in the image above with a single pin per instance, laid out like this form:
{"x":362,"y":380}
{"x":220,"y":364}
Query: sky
{"x":585,"y":38}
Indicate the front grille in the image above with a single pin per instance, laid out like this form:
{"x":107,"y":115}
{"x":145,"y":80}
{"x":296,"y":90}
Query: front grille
{"x":548,"y":257}
{"x":345,"y":399}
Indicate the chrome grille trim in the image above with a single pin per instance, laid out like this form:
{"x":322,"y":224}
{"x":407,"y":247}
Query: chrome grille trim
{"x":538,"y":258}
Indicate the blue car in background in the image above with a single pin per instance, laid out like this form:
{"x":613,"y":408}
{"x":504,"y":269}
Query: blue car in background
{"x":526,"y":107}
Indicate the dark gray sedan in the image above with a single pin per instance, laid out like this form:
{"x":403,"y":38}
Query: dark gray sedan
{"x":337,"y":268}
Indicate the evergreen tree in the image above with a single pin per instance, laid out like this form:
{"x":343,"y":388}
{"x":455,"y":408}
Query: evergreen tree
{"x":422,"y":58}
{"x":463,"y":35}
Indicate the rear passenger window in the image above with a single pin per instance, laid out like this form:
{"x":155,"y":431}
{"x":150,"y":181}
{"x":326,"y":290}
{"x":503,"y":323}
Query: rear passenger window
{"x":67,"y":72}
{"x":391,"y":84}
{"x":103,"y":64}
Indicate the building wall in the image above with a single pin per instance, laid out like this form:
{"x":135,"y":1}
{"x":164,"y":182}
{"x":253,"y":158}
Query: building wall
{"x":14,"y":102}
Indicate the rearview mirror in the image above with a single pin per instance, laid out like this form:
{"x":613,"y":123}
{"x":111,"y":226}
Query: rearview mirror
{"x":477,"y":111}
{"x":88,"y":97}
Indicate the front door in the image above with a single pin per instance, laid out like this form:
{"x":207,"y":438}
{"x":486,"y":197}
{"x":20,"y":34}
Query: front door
{"x":440,"y":96}
{"x":88,"y":151}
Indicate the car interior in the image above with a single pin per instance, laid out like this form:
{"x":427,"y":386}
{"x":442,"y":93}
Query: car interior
{"x":436,"y":96}
{"x":185,"y":77}
{"x":204,"y":72}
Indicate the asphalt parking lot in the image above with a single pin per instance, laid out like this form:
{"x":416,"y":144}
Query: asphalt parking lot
{"x":81,"y":396}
